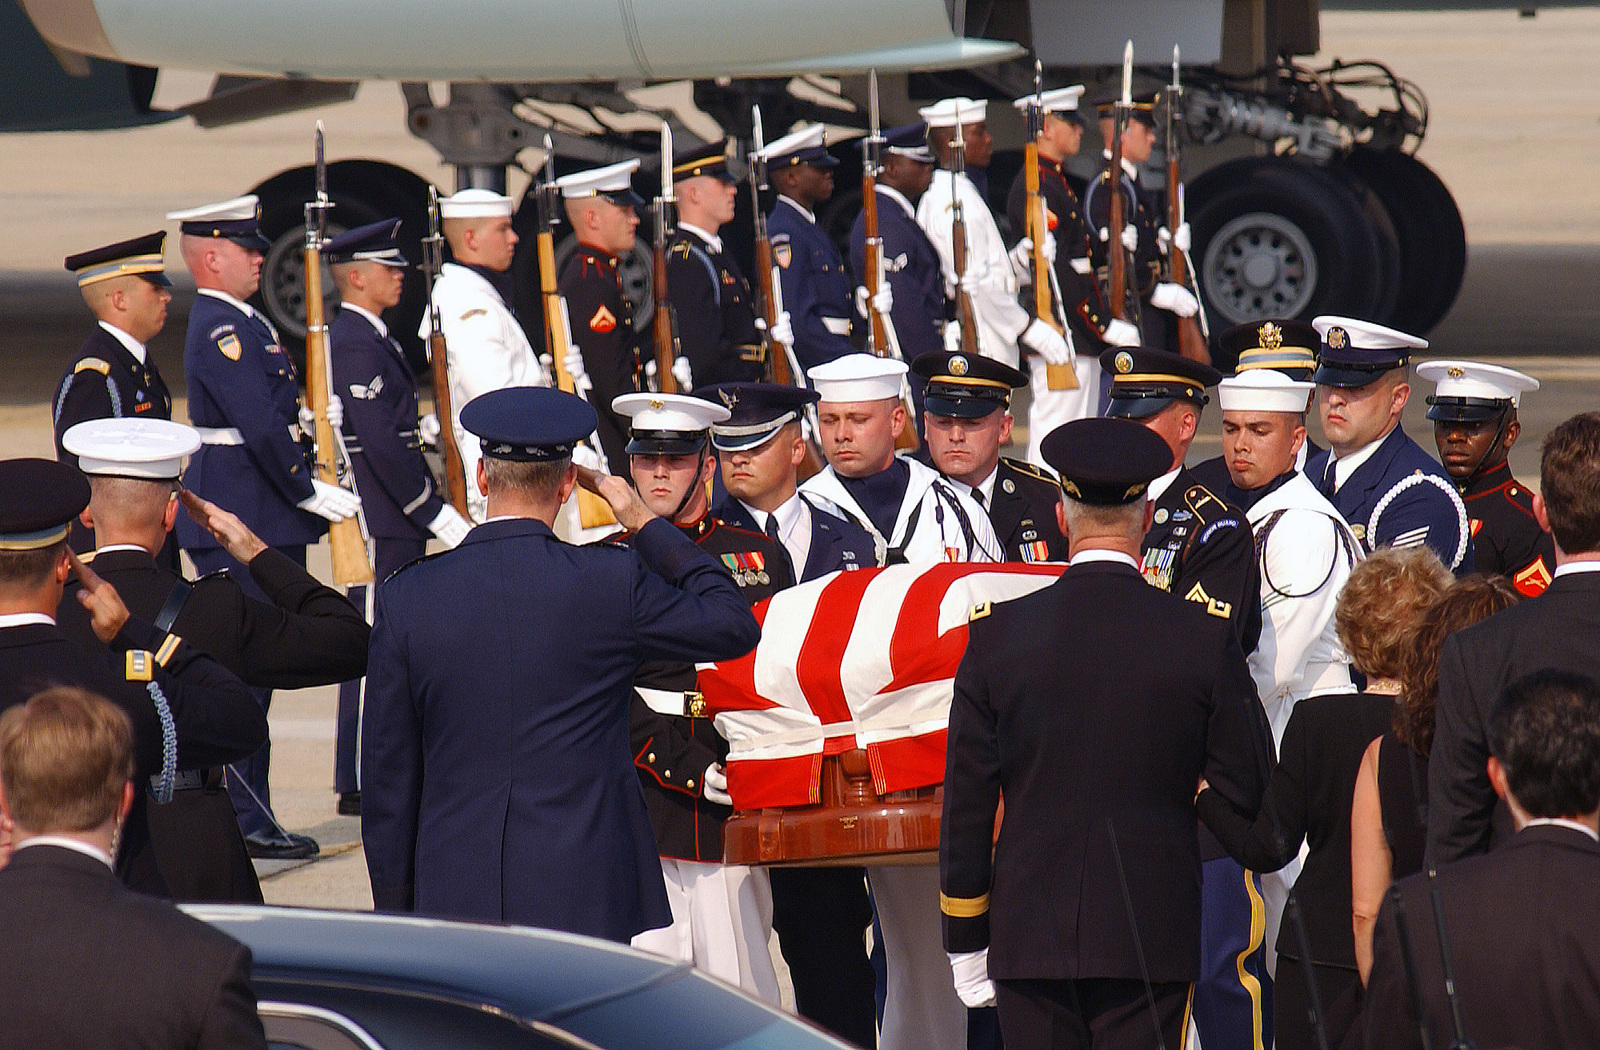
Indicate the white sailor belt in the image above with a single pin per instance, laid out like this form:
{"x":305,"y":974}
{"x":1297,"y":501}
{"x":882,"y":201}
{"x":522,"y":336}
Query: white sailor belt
{"x":690,"y":704}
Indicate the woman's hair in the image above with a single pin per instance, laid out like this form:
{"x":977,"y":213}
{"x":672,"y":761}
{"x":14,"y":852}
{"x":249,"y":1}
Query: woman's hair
{"x":1382,"y":603}
{"x":1468,"y":600}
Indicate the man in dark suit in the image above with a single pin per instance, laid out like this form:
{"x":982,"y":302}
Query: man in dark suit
{"x":1557,"y":629}
{"x":500,"y":783}
{"x":968,"y":418}
{"x":1098,"y":749}
{"x":88,"y":962}
{"x":308,"y":635}
{"x":819,"y":913}
{"x":400,"y":508}
{"x":188,"y":712}
{"x":1520,"y":922}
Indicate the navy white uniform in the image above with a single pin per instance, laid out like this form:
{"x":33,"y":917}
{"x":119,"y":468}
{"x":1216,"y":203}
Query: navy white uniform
{"x":500,"y":784}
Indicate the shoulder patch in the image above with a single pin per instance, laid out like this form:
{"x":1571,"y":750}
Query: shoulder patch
{"x":140,"y":665}
{"x":980,"y":610}
{"x":476,"y":311}
{"x":92,"y":364}
{"x":1212,"y":606}
{"x":1212,"y":529}
{"x":219,"y":331}
{"x":230,"y":347}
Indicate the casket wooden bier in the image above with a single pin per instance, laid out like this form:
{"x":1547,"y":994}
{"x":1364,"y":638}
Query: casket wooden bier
{"x":852,"y":825}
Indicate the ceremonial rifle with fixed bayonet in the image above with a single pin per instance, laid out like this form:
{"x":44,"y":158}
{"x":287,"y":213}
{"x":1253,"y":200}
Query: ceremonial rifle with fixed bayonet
{"x":593,"y":510}
{"x":1193,"y":339}
{"x":455,"y":471}
{"x":346,"y":541}
{"x":1123,"y":304}
{"x":881,"y":338}
{"x":664,"y":329}
{"x":1047,"y":304}
{"x":966,"y":316}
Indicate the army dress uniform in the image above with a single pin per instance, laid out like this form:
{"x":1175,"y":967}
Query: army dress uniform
{"x":1506,"y":537}
{"x":1140,"y":212}
{"x":1391,"y":492}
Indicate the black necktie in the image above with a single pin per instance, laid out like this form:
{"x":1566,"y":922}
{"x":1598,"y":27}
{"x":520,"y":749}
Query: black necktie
{"x":772,"y":529}
{"x":1329,"y":479}
{"x":977,"y":494}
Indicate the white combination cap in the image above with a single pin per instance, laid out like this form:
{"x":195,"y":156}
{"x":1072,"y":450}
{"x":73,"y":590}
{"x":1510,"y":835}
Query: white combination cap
{"x":236,"y":210}
{"x":669,"y":412}
{"x":809,"y":145}
{"x":474,"y":204}
{"x":858,"y":377}
{"x":1056,"y":100}
{"x":1472,"y":379}
{"x":613,"y":182}
{"x":1263,"y":390}
{"x":131,"y":448}
{"x":1365,"y":335}
{"x":943,"y":114}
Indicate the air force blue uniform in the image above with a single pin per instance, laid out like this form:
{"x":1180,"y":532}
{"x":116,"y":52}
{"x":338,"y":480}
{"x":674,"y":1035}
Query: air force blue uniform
{"x":817,"y":290}
{"x":240,"y":380}
{"x":835,"y":543}
{"x":911,"y":265}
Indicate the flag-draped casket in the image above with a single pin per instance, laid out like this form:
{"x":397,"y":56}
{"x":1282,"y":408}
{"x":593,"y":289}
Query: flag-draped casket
{"x":836,"y":722}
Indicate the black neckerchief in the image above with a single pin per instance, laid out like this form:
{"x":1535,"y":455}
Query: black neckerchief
{"x":880,"y":495}
{"x":1244,"y":499}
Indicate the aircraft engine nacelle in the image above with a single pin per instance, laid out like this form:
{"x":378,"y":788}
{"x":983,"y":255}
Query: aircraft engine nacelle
{"x":515,"y":40}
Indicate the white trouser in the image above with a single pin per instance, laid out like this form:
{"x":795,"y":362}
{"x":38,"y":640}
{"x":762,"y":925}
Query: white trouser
{"x":921,"y":1010}
{"x":1050,"y":408}
{"x":721,"y":922}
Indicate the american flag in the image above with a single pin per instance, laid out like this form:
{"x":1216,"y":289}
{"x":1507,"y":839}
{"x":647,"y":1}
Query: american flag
{"x":856,"y":659}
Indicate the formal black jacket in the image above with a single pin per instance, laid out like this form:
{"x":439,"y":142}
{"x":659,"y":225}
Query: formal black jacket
{"x":89,"y":962}
{"x":1200,"y":548}
{"x":1309,"y":799}
{"x":216,"y":719}
{"x":836,"y":543}
{"x":1556,"y":630}
{"x":1096,"y":703}
{"x":1506,"y":538}
{"x":1022,"y":510}
{"x":1080,"y":292}
{"x":105,"y":381}
{"x":715,"y":311}
{"x":602,"y":326}
{"x":672,"y":752}
{"x":1524,"y":944}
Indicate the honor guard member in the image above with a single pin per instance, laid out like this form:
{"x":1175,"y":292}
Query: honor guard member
{"x":400,"y":507}
{"x":1095,"y":706}
{"x":486,"y":348}
{"x":1391,"y":492}
{"x":816,"y":287}
{"x":1143,"y":236}
{"x":911,"y":266}
{"x":499,"y":781}
{"x":188,"y":713}
{"x":917,"y":516}
{"x":309,"y":635}
{"x":717,"y":326}
{"x":968,"y":421}
{"x":989,"y":279}
{"x":244,"y":398}
{"x":1283,"y":345}
{"x":819,"y":914}
{"x":721,"y":913}
{"x":1474,"y":413}
{"x":604,"y":359}
{"x":1093,"y":328}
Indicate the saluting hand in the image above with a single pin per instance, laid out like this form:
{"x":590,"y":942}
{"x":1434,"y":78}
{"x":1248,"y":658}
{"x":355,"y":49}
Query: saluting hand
{"x":107,"y":614}
{"x":234,"y":535}
{"x":630,"y":511}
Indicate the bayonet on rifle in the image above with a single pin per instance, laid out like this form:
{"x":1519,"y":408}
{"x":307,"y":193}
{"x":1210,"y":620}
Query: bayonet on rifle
{"x":1193,"y":341}
{"x":1047,"y":305}
{"x":663,"y":328}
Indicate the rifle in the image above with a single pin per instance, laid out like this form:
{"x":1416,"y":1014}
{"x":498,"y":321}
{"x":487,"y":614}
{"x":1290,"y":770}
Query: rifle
{"x":347,"y":543}
{"x":1116,"y":217}
{"x":455,"y":471}
{"x":965,"y":314}
{"x":593,"y":511}
{"x":769,"y":292}
{"x":881,"y":338}
{"x":664,"y":326}
{"x":1046,"y":296}
{"x":1193,"y":341}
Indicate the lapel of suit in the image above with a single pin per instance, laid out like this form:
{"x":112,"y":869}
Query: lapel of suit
{"x":1006,"y":509}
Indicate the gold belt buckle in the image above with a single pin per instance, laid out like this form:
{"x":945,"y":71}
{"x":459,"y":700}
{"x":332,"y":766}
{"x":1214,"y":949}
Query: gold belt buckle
{"x":694,"y":705}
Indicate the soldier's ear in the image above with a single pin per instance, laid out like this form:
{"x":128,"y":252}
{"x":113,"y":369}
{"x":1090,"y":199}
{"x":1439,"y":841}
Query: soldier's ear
{"x":1061,"y":519}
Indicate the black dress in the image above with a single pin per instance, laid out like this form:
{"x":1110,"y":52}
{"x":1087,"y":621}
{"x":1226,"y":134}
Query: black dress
{"x":1403,"y":800}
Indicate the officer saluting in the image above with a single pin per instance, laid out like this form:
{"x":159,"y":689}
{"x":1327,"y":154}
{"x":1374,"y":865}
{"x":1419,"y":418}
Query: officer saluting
{"x":516,"y":686}
{"x":968,"y":419}
{"x":1099,"y":745}
{"x":1474,"y":413}
{"x":1391,"y":492}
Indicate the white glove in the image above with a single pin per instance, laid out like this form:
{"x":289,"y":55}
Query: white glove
{"x":1046,"y":342}
{"x":308,"y":418}
{"x":428,"y":429}
{"x":586,"y":457}
{"x":1167,"y":240}
{"x":1174,"y":298}
{"x":1121,"y":333}
{"x":952,"y":337}
{"x":450,"y":526}
{"x":972,"y":281}
{"x":330,"y":501}
{"x":1130,"y":237}
{"x":882,"y":302}
{"x":971,"y":972}
{"x":714,"y":785}
{"x":681,"y":372}
{"x":572,"y":361}
{"x":782,"y":329}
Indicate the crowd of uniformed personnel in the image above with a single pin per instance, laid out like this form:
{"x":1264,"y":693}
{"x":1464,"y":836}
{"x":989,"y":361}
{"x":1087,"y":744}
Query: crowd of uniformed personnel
{"x":519,"y":726}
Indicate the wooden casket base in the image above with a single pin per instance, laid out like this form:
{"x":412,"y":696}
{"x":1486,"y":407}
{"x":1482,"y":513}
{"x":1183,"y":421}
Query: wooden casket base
{"x":853,"y":825}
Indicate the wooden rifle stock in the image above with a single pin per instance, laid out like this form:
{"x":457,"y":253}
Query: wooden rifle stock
{"x":1057,"y":377}
{"x":662,"y":328}
{"x":965,"y":315}
{"x":1116,"y":219}
{"x":877,"y":333}
{"x":455,"y":470}
{"x":1192,"y":342}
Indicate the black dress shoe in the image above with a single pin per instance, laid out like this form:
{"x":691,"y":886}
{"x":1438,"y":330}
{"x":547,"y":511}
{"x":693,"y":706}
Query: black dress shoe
{"x":350,"y":803}
{"x":288,"y":846}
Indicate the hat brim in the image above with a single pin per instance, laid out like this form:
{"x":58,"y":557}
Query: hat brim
{"x":627,"y":198}
{"x":1348,"y":378}
{"x":960,"y":408}
{"x":254,"y":242}
{"x":1465,"y":410}
{"x":157,"y":278}
{"x":662,"y":444}
{"x":745,"y":442}
{"x":1139,"y":407}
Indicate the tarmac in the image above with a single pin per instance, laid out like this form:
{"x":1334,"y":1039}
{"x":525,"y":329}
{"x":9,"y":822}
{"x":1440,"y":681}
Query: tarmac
{"x":1514,"y":131}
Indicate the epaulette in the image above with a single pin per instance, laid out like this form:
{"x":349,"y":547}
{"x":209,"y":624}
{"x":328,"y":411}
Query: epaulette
{"x":682,"y":248}
{"x":1198,"y":496}
{"x":92,"y":364}
{"x":979,"y":611}
{"x":415,"y":562}
{"x":1027,"y":469}
{"x":215,"y":574}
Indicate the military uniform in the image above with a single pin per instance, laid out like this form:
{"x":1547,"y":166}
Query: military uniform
{"x":816,"y":287}
{"x":1022,"y":507}
{"x":1144,"y":270}
{"x":715,"y":311}
{"x":602,"y":326}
